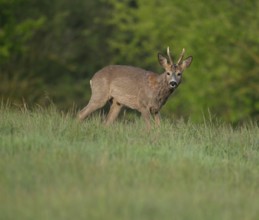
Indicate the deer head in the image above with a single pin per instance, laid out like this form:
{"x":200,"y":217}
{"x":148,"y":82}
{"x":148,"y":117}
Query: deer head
{"x":174,"y":71}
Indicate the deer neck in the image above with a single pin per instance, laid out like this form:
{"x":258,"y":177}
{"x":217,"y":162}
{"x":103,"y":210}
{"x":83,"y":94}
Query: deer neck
{"x":161,"y":93}
{"x":163,"y":90}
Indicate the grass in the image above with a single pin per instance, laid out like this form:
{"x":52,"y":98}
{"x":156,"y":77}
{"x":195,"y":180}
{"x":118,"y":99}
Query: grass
{"x":53,"y":167}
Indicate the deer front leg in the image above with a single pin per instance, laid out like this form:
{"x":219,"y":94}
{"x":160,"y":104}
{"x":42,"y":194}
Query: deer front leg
{"x":157,"y":118}
{"x":146,"y":115}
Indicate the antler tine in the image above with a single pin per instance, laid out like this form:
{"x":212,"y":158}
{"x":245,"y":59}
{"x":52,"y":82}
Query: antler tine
{"x":169,"y":56}
{"x":181,"y":57}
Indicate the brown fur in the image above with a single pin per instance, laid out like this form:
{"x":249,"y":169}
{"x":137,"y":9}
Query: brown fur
{"x":152,"y":81}
{"x":135,"y":88}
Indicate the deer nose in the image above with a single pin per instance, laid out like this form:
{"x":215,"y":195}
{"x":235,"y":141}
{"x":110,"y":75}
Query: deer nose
{"x":173,"y":84}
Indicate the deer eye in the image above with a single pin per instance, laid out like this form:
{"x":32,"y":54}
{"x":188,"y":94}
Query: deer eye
{"x":168,"y":73}
{"x":179,"y":74}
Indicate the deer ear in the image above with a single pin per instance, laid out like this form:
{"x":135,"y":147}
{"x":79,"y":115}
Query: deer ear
{"x":187,"y":62}
{"x":162,"y":60}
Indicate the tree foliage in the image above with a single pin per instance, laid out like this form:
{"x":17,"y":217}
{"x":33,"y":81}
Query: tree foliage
{"x":50,"y":49}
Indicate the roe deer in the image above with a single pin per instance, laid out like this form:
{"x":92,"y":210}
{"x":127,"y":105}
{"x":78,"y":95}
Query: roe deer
{"x":136,"y":88}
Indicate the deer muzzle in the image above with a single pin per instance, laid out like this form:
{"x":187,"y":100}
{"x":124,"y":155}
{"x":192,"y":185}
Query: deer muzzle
{"x":173,"y":84}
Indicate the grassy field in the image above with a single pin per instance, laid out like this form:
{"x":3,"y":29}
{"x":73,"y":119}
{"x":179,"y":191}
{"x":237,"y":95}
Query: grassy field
{"x":52,"y":167}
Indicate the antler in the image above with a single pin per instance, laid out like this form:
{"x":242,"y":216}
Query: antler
{"x":181,"y":57}
{"x":169,"y":56}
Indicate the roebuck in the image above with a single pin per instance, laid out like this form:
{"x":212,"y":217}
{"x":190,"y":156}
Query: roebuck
{"x":135,"y":88}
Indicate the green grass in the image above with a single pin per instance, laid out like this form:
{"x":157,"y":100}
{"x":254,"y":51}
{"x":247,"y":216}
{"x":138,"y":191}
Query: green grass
{"x":52,"y":167}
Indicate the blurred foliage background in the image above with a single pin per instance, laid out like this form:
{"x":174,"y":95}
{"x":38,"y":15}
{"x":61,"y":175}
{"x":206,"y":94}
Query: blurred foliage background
{"x":50,"y":49}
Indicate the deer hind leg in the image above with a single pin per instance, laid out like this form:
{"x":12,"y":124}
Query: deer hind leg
{"x":98,"y":99}
{"x":90,"y":108}
{"x":114,"y":112}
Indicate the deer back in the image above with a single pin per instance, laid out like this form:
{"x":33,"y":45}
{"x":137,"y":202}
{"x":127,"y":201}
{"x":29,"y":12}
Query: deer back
{"x":129,"y":85}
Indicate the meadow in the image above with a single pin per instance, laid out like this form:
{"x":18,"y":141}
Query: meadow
{"x":53,"y":167}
